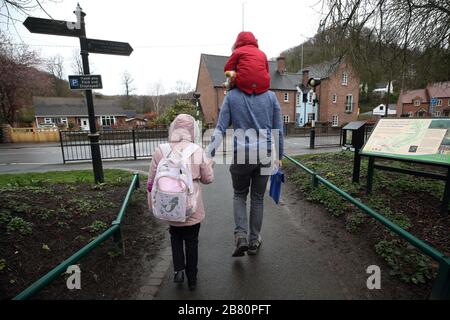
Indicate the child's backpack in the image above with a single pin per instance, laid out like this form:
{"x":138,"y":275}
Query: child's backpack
{"x":172,"y":195}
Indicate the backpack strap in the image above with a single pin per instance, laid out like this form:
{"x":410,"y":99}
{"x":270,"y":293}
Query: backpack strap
{"x":189,"y":150}
{"x":166,"y":149}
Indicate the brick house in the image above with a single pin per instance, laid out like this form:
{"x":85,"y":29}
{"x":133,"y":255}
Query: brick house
{"x":337,"y":94}
{"x":72,"y":112}
{"x":211,"y":77}
{"x":417,"y":103}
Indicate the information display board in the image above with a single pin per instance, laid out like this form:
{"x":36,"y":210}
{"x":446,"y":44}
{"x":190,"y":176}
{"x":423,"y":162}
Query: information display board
{"x":423,"y":140}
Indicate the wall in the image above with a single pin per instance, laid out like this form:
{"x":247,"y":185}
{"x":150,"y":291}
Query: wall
{"x":287,"y":108}
{"x":409,"y":107}
{"x":19,"y":135}
{"x":333,"y":85}
{"x":208,"y":94}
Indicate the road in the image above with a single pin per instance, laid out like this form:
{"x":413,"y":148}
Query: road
{"x":48,"y":156}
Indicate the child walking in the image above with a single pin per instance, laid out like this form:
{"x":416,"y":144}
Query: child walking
{"x":247,"y":68}
{"x":198,"y":169}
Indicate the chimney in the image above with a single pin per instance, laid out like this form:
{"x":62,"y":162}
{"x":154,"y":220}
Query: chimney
{"x":281,"y":68}
{"x":305,"y":73}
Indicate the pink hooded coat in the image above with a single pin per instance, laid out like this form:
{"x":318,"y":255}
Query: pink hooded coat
{"x":181,"y":133}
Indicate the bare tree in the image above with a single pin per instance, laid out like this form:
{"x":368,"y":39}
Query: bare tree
{"x":182,"y":88}
{"x":55,"y":66}
{"x":156,"y":90}
{"x":77,"y":64}
{"x":127,"y":81}
{"x":19,"y":79}
{"x":415,"y":23}
{"x":24,"y":7}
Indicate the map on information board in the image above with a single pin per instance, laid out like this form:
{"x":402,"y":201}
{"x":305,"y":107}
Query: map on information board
{"x":424,"y":140}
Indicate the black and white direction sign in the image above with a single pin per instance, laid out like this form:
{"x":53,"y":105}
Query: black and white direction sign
{"x":85,"y":82}
{"x":107,"y":47}
{"x":53,"y":27}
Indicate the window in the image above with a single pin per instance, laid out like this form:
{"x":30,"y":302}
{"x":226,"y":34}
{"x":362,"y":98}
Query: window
{"x":55,"y":120}
{"x":108,"y":120}
{"x":436,"y":114}
{"x":345,"y":78}
{"x":311,"y":117}
{"x":334,"y":98}
{"x":285,"y":118}
{"x":286,"y":97}
{"x":439,"y":102}
{"x":381,"y":108}
{"x":349,"y":103}
{"x":417,"y":103}
{"x":410,"y":114}
{"x":335,"y":121}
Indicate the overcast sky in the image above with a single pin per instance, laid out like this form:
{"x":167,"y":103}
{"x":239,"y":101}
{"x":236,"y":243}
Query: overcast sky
{"x":168,"y":36}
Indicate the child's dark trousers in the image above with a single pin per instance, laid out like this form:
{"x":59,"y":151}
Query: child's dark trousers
{"x":185,"y":257}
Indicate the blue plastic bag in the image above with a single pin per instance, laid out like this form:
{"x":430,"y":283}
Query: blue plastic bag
{"x":275,"y":185}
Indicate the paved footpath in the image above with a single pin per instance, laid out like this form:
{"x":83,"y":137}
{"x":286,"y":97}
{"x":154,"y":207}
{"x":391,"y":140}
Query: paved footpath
{"x":304,"y":255}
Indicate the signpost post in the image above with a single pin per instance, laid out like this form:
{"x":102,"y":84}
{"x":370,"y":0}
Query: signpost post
{"x":86,"y":82}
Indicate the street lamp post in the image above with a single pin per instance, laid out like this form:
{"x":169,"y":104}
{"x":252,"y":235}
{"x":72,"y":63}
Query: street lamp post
{"x":313,"y":82}
{"x":198,"y":121}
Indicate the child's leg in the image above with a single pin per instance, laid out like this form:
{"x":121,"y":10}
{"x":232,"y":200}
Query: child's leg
{"x":176,"y":240}
{"x":191,"y":244}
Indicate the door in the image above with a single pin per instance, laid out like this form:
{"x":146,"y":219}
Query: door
{"x":84,"y":124}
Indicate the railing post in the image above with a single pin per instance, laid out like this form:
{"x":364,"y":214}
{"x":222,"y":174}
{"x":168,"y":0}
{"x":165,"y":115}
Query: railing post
{"x":356,"y":166}
{"x":314,"y":181}
{"x":138,"y":183}
{"x":118,"y":240}
{"x":62,"y":147}
{"x":312,"y":137}
{"x":446,"y":198}
{"x":134,"y":143}
{"x":370,"y":175}
{"x":441,"y":287}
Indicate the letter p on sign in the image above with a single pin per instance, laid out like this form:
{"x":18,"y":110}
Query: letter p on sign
{"x":74,"y":280}
{"x":374,"y":281}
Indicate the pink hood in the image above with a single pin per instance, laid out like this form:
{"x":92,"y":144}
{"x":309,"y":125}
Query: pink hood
{"x":182,"y":129}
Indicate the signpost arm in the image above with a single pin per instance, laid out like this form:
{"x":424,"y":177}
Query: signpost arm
{"x":93,"y":136}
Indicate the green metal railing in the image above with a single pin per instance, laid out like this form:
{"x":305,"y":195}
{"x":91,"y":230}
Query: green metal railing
{"x":114,"y":231}
{"x":441,"y":287}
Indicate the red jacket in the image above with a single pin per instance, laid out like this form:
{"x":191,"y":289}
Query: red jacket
{"x":250,"y":64}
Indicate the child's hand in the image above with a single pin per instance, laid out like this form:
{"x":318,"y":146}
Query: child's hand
{"x":231,"y":78}
{"x":230,"y":74}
